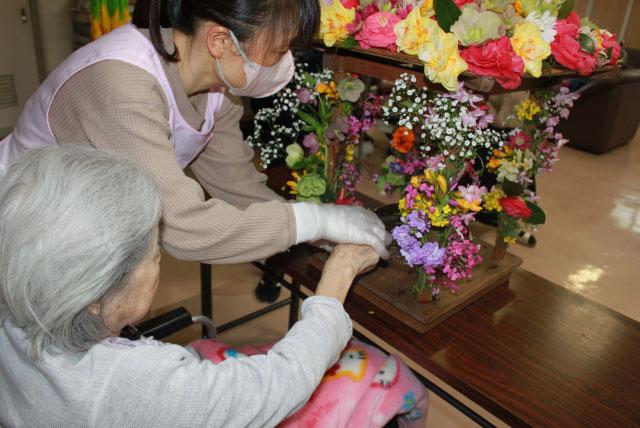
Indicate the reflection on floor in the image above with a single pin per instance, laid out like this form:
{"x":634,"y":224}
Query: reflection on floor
{"x":590,"y":245}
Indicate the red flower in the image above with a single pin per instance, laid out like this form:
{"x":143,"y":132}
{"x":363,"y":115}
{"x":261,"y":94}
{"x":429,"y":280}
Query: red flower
{"x":610,"y":41}
{"x":461,"y":3}
{"x":515,"y":207}
{"x":520,"y":141}
{"x":566,"y":48}
{"x":495,"y":58}
{"x":350,"y":4}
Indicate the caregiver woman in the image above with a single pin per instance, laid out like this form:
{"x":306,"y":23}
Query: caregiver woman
{"x":166,"y":99}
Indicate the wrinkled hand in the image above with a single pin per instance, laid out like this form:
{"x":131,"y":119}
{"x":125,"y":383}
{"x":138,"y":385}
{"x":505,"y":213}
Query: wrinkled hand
{"x":346,"y":262}
{"x":343,"y":225}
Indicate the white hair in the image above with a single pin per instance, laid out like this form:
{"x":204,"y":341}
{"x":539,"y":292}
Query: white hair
{"x":74,"y":224}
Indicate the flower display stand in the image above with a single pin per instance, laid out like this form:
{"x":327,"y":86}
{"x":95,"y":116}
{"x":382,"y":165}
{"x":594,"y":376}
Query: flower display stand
{"x":391,"y":290}
{"x":386,"y":65}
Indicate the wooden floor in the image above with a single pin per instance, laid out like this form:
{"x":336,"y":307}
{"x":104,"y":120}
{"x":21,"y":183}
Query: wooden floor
{"x":591,"y":245}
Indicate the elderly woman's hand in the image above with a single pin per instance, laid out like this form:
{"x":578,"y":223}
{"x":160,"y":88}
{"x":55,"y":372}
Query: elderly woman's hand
{"x":346,"y":262}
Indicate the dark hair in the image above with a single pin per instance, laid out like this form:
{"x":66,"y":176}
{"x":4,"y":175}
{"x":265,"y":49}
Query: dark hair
{"x":284,"y":18}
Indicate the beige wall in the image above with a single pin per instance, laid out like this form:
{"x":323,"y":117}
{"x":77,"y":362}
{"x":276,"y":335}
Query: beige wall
{"x":57,"y":31}
{"x":609,"y":14}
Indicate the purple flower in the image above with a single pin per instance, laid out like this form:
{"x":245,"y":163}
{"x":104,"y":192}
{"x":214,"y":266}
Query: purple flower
{"x":395,"y":167}
{"x":310,"y":141}
{"x":432,"y":254}
{"x":418,"y":220}
{"x":402,"y":235}
{"x":305,"y":96}
{"x":472,"y":192}
{"x":553,"y":121}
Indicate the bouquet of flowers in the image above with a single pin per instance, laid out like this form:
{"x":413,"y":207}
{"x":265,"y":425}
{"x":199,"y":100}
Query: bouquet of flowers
{"x":528,"y":152}
{"x":501,"y":39}
{"x":435,"y":146}
{"x":317,"y":124}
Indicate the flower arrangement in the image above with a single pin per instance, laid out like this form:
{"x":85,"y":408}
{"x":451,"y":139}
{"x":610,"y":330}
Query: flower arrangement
{"x":435,"y":147}
{"x":529,"y":151}
{"x":501,"y":39}
{"x":317,"y":124}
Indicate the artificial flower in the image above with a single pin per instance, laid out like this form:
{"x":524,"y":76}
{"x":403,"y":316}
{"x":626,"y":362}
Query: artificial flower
{"x":350,"y":4}
{"x":492,"y":199}
{"x":611,"y":46}
{"x":413,"y":31}
{"x":527,"y":110}
{"x":350,"y":89}
{"x":566,"y":48}
{"x":311,"y":186}
{"x":295,"y":153}
{"x":310,"y":141}
{"x":442,"y":61}
{"x":497,"y":59}
{"x":378,"y":31}
{"x":334,"y":19}
{"x":521,"y":140}
{"x":474,"y":26}
{"x":330,"y":90}
{"x":546,"y":24}
{"x":515,"y":207}
{"x":525,"y":7}
{"x":403,"y":139}
{"x":529,"y":45}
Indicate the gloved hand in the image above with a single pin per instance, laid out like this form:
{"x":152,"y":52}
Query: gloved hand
{"x":341,"y":224}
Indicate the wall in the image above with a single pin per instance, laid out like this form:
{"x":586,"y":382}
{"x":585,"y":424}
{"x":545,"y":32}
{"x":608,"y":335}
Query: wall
{"x":609,"y":14}
{"x":57,"y":31}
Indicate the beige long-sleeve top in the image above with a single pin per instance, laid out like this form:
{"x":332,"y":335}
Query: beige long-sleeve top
{"x":117,"y":106}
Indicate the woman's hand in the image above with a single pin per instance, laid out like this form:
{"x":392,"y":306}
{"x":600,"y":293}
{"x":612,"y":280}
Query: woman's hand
{"x":346,"y":262}
{"x":342,"y":225}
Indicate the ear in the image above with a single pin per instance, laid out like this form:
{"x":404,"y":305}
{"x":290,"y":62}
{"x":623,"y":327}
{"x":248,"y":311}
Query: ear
{"x":95,"y":309}
{"x":217,"y":39}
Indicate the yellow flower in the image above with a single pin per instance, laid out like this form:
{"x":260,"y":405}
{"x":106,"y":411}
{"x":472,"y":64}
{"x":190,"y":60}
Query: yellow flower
{"x":349,"y":153}
{"x":413,"y":31}
{"x":469,"y":206}
{"x":519,"y":8}
{"x":334,"y":19}
{"x":509,"y":240}
{"x":330,"y":90}
{"x":527,"y":110}
{"x":402,"y":206}
{"x":293,"y":185}
{"x":440,"y":217}
{"x":442,"y":61}
{"x":528,"y":44}
{"x":427,"y":8}
{"x":491,"y":200}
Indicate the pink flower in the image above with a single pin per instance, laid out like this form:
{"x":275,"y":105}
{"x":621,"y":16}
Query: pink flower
{"x":310,"y":141}
{"x":350,"y":4}
{"x":566,"y":48}
{"x":497,"y":59}
{"x":361,"y":17}
{"x":520,"y":141}
{"x":378,"y":31}
{"x":461,"y":3}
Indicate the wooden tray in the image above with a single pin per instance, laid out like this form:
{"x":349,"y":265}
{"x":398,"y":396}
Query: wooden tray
{"x":391,"y":290}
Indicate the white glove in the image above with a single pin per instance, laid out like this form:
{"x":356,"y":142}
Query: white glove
{"x":341,"y":224}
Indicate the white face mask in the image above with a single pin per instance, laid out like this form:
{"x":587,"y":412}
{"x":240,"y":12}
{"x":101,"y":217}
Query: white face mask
{"x":261,"y":81}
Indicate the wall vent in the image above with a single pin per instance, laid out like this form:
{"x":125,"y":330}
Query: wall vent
{"x":8,"y":95}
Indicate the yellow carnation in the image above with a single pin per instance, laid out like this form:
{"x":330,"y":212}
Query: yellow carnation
{"x":413,"y":31}
{"x":442,"y":61}
{"x":528,"y":44}
{"x":334,"y":19}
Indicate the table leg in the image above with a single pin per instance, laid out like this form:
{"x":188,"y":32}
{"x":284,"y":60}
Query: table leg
{"x":295,"y":303}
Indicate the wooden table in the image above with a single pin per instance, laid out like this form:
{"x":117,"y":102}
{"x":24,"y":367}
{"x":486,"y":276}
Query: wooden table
{"x":530,"y":352}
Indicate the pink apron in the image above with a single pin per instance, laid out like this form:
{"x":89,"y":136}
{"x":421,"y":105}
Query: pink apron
{"x":123,"y":44}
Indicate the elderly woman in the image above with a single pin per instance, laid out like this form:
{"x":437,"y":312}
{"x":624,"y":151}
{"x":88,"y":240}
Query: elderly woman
{"x":79,"y":260}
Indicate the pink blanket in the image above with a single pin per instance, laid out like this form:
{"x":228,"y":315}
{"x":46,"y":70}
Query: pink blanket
{"x":365,"y":388}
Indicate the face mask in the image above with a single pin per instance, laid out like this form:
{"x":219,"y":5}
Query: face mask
{"x":261,"y":81}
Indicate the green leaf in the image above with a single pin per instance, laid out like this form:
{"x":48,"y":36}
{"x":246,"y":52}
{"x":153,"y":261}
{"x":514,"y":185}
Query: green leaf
{"x":308,"y":119}
{"x":586,"y":43}
{"x":538,"y":216}
{"x":512,"y":189}
{"x":565,"y":9}
{"x":348,"y":43}
{"x":447,"y":13}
